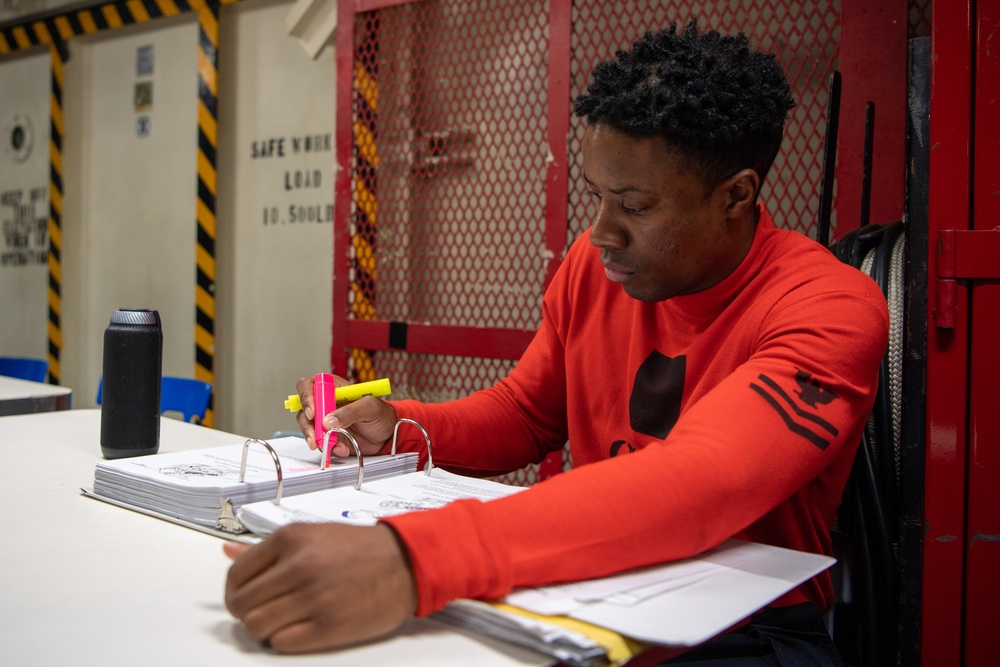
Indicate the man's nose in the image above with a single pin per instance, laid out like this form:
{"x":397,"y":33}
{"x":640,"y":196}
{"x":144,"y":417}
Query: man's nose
{"x":605,"y":231}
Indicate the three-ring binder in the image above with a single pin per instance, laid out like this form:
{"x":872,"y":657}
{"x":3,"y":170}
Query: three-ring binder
{"x":228,"y":522}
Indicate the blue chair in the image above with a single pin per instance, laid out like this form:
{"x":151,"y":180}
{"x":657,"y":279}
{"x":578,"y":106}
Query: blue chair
{"x":184,"y":395}
{"x":187,"y":396}
{"x":24,"y":368}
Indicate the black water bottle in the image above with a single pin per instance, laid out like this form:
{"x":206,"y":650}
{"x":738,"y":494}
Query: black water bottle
{"x":130,"y":403}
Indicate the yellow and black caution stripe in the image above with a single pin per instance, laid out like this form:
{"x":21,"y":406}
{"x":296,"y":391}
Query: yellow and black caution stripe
{"x":366,"y":160}
{"x":54,"y":329}
{"x":63,"y":25}
{"x":55,"y":30}
{"x":208,"y":100}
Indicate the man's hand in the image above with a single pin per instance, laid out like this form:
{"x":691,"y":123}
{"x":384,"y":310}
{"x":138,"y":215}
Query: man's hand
{"x":311,"y":587}
{"x":371,"y":420}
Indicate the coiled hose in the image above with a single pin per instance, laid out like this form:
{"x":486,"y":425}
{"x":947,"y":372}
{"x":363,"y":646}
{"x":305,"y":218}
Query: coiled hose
{"x":866,"y":615}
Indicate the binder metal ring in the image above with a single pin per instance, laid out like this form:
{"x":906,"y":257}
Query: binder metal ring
{"x":427,"y":439}
{"x":274,"y":456}
{"x":236,"y":527}
{"x":357,"y":452}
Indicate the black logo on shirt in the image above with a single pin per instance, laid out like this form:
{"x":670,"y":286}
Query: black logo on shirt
{"x":618,"y":444}
{"x":802,"y":422}
{"x":655,"y":403}
{"x":811,"y":392}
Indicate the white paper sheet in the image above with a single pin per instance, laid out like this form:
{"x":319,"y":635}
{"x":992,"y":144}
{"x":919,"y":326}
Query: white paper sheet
{"x":385,"y":497}
{"x":740,"y":578}
{"x":678,"y":604}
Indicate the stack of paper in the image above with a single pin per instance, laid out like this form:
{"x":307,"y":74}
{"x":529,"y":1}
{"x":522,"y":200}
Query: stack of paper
{"x":571,"y":642}
{"x":392,"y":495}
{"x":191,"y":486}
{"x":680,"y":604}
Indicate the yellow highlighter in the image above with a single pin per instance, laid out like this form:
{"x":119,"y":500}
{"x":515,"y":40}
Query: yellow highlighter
{"x":323,"y":382}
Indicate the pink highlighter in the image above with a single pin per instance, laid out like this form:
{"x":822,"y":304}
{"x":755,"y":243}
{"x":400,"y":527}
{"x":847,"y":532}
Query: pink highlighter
{"x":324,"y":402}
{"x":326,"y":394}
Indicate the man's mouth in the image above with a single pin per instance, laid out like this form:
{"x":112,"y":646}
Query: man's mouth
{"x":614,"y":271}
{"x":615,"y":274}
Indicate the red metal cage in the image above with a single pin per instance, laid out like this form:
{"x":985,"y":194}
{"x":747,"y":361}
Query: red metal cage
{"x":459,"y":184}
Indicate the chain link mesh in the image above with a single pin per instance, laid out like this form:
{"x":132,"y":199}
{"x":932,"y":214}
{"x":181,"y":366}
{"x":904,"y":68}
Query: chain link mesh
{"x":449,"y":225}
{"x":450,"y":145}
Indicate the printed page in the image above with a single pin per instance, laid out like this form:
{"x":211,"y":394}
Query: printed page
{"x":748,"y":577}
{"x":385,"y":497}
{"x":219,"y":467}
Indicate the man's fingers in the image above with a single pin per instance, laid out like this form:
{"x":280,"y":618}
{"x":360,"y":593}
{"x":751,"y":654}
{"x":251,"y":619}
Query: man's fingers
{"x":305,"y":389}
{"x":304,"y":417}
{"x":342,"y":450}
{"x":299,"y":637}
{"x":235,"y":549}
{"x":269,"y":622}
{"x":347,"y":414}
{"x":294,"y":591}
{"x":306,"y":426}
{"x":251,"y":580}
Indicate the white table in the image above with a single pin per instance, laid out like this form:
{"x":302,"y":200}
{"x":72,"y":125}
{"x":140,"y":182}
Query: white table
{"x":84,"y":583}
{"x":18,"y":397}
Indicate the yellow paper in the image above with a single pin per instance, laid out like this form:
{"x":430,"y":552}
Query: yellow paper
{"x":619,"y":649}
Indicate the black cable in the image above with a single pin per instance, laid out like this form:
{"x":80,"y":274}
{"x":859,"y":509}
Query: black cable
{"x":879,"y":557}
{"x":865,"y":607}
{"x":868,"y":513}
{"x":867,"y":239}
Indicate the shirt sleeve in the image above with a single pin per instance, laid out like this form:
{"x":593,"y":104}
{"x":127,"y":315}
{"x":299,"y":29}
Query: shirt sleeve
{"x":731,"y":459}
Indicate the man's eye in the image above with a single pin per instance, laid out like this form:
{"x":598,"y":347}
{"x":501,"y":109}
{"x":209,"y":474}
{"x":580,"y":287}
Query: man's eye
{"x":595,"y":195}
{"x":629,"y":209}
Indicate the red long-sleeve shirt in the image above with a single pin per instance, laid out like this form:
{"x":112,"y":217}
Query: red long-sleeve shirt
{"x":735,"y":411}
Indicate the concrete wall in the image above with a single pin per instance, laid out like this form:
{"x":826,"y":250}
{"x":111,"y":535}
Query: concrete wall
{"x":24,"y":204}
{"x":129,"y":229}
{"x":129,"y":206}
{"x":275,"y":200}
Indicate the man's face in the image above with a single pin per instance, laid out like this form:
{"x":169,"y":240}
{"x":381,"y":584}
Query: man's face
{"x":659,"y":233}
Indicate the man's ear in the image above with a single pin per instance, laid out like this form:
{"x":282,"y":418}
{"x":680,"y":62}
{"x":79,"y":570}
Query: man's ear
{"x":741,"y":188}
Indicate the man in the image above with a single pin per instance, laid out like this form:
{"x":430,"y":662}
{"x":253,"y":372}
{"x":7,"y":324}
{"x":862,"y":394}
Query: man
{"x":711,"y":372}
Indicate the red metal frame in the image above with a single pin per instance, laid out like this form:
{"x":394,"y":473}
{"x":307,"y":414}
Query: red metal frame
{"x":982,"y":558}
{"x":872,"y":57}
{"x":873,"y":30}
{"x":962,"y":546}
{"x":428,"y":338}
{"x":947,"y":337}
{"x":557,"y":176}
{"x":444,"y":339}
{"x":342,"y":181}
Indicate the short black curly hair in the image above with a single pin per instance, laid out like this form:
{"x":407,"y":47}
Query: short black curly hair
{"x":715,"y":100}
